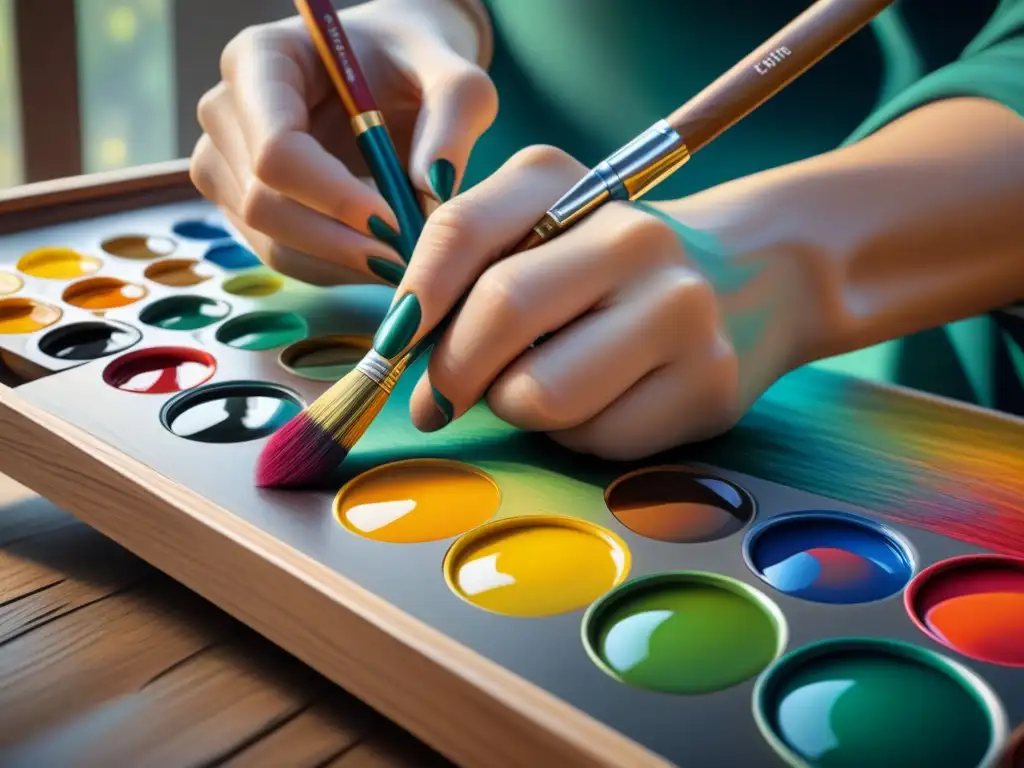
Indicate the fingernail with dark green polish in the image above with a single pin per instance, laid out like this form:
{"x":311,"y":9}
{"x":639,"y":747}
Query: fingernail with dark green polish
{"x":399,"y":327}
{"x":444,"y":406}
{"x":442,"y":179}
{"x":382,"y":231}
{"x":385,"y":270}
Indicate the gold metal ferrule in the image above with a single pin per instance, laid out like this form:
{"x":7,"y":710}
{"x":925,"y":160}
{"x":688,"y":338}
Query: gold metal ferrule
{"x":367,"y":120}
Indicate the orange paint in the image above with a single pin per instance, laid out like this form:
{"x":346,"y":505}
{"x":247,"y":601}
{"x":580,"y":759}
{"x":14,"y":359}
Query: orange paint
{"x":417,"y":500}
{"x":99,"y":293}
{"x":20,"y":315}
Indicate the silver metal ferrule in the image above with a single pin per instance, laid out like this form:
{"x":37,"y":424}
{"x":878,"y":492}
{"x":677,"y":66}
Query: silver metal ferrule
{"x":626,"y":174}
{"x":375,"y":367}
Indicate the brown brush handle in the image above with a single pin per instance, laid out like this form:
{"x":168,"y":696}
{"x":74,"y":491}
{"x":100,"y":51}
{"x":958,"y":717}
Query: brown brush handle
{"x":796,"y":47}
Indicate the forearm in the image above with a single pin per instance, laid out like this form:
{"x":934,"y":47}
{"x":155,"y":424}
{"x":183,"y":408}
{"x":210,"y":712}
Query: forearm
{"x":919,"y":225}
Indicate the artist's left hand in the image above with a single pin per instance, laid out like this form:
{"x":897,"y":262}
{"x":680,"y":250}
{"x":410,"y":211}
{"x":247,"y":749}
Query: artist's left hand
{"x":667,"y":320}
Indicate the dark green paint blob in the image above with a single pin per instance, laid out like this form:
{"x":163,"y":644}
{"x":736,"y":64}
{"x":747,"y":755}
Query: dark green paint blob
{"x":259,"y":331}
{"x":850,"y":704}
{"x":684,"y":633}
{"x":184,"y":313}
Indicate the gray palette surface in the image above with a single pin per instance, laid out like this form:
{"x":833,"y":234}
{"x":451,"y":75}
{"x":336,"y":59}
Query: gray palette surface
{"x":534,"y":476}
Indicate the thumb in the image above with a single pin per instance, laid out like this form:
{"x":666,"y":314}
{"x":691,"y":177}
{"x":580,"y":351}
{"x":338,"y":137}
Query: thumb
{"x":458,"y":103}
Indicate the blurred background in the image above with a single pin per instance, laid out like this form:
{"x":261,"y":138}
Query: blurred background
{"x":99,"y":85}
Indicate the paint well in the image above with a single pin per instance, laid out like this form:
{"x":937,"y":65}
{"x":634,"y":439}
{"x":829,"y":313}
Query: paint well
{"x":101,"y":293}
{"x":139,"y":247}
{"x":851,"y":702}
{"x":232,"y":256}
{"x":160,"y":370}
{"x":22,"y":315}
{"x":178,"y":273}
{"x":58,"y":264}
{"x":197,"y":229}
{"x":679,"y":504}
{"x":418,"y":500}
{"x":325,"y":358}
{"x":688,"y":632}
{"x":256,"y":285}
{"x":259,"y":331}
{"x":829,"y":557}
{"x":230,"y":412}
{"x":89,"y":340}
{"x":974,"y":605}
{"x":536,"y":565}
{"x":184,"y":313}
{"x":9,"y":283}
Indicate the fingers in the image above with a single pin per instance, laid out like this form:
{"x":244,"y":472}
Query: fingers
{"x":459,"y":103}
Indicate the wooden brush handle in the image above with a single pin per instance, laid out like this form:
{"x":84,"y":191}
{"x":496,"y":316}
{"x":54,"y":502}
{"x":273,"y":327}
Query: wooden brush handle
{"x":771,"y":67}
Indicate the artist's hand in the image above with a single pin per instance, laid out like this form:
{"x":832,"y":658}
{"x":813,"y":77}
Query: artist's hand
{"x":278,"y":154}
{"x":663,"y":331}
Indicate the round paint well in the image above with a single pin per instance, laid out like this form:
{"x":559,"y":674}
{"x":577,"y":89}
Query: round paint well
{"x":139,"y":247}
{"x":259,"y":331}
{"x":325,"y":358}
{"x":197,"y":229}
{"x":256,"y":285}
{"x":184,"y":313}
{"x":855,"y":702}
{"x":680,"y":505}
{"x":58,"y":264}
{"x":230,"y":412}
{"x":89,"y":340}
{"x":1014,"y":755}
{"x":22,"y":315}
{"x":974,"y":605}
{"x":829,"y":557}
{"x":160,"y":370}
{"x":9,"y":283}
{"x":232,"y":256}
{"x":686,"y":632}
{"x":178,"y":273}
{"x":417,"y":500}
{"x":100,"y":293}
{"x":535,"y":565}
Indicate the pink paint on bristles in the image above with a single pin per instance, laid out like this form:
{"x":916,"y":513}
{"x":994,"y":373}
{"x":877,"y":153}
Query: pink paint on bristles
{"x":299,"y":455}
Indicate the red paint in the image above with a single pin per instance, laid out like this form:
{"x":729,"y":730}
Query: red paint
{"x":974,"y":605}
{"x":336,"y":44}
{"x":160,"y":370}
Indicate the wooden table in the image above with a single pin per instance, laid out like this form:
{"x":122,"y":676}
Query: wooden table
{"x":105,"y":661}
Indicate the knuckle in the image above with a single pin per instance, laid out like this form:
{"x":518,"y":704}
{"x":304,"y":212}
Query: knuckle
{"x":256,"y":204}
{"x":210,"y":105}
{"x":270,"y":161}
{"x":453,"y":228}
{"x":200,"y":171}
{"x":500,"y":291}
{"x":238,"y":46}
{"x":541,"y":156}
{"x":543,"y":400}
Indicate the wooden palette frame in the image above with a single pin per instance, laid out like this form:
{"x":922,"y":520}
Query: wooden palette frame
{"x":464,"y":705}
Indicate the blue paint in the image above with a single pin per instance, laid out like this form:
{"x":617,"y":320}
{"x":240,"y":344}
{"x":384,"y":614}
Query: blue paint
{"x":196,"y":229}
{"x":232,"y":256}
{"x":828,"y":557}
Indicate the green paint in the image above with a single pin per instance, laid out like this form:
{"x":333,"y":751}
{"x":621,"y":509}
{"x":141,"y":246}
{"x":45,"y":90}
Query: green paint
{"x":853,"y":703}
{"x":259,"y":331}
{"x":442,"y":179}
{"x":184,"y":313}
{"x":684,"y":633}
{"x":399,"y":327}
{"x":385,"y":270}
{"x":377,"y":148}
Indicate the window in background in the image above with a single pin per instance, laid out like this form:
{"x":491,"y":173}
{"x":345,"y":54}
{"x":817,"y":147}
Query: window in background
{"x":126,"y":75}
{"x":10,"y":116}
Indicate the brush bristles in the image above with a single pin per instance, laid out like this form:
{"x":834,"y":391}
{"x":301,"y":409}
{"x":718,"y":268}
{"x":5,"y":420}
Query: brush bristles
{"x":310,"y":447}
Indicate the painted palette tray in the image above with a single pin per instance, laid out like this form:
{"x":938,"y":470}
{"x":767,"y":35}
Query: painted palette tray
{"x":840,"y":581}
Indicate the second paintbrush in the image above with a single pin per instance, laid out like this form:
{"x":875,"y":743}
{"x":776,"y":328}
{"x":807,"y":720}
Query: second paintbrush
{"x":310,"y":447}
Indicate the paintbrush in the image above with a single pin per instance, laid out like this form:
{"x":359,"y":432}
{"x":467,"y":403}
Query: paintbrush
{"x":372,"y":137}
{"x":311,"y":446}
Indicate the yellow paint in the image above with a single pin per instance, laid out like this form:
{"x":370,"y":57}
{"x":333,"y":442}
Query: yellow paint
{"x":20,"y":315}
{"x":122,"y":24}
{"x":417,"y":500}
{"x":536,"y":566}
{"x":9,"y":283}
{"x":103,"y":293}
{"x":254,"y":286}
{"x":58,"y":264}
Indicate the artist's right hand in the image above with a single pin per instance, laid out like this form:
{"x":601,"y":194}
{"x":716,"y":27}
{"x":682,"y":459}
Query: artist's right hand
{"x":278,"y":155}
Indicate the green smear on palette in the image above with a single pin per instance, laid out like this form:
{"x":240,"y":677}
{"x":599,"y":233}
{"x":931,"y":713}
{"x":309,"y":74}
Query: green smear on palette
{"x":260,"y":331}
{"x":684,"y":633}
{"x":853,"y":703}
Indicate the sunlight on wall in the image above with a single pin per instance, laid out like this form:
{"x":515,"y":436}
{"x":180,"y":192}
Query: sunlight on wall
{"x":10,"y":117}
{"x":126,"y":75}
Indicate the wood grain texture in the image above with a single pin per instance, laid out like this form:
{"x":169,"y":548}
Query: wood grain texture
{"x":105,"y":661}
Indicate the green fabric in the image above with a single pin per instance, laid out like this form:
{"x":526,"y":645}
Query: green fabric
{"x":586,"y":75}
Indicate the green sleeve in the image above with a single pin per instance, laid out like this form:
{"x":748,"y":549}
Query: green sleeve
{"x":990,"y":67}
